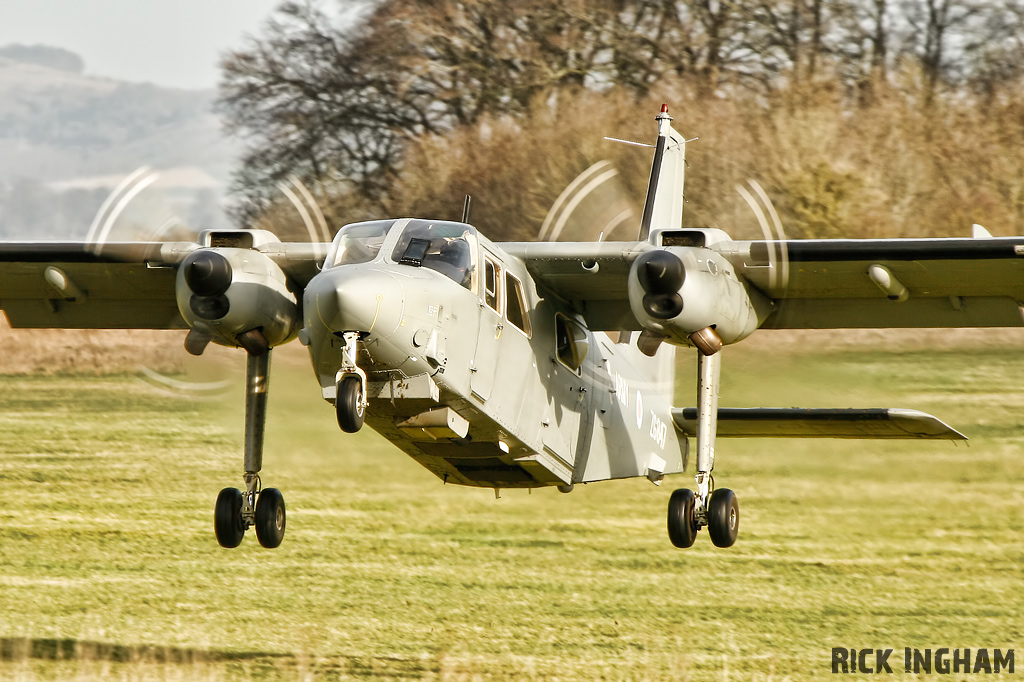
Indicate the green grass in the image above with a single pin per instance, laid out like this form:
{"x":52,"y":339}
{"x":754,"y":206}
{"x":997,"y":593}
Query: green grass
{"x":109,"y":567}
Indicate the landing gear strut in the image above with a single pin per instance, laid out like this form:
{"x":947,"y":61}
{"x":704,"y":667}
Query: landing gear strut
{"x":688,"y":512}
{"x":236,"y":510}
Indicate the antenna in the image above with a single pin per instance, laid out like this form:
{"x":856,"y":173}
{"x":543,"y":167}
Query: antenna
{"x":635,"y":144}
{"x":467,"y":209}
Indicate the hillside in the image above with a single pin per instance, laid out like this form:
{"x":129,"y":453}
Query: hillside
{"x":67,"y":138}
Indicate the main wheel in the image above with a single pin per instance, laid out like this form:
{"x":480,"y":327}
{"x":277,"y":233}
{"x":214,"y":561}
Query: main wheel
{"x":270,"y":517}
{"x":723,"y":517}
{"x":349,"y":404}
{"x":227,"y":518}
{"x":682,"y":528}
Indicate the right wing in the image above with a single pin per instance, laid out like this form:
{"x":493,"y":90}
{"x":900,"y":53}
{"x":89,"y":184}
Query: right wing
{"x":121,"y":286}
{"x":116,"y":285}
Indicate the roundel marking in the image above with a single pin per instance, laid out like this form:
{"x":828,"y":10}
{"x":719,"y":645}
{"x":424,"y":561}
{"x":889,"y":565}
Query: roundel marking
{"x":639,"y":410}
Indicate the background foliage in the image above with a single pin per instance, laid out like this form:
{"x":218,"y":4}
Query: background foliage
{"x":860,"y":117}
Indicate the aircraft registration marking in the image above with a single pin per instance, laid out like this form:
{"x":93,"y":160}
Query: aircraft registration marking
{"x":659,"y":430}
{"x":622,"y":390}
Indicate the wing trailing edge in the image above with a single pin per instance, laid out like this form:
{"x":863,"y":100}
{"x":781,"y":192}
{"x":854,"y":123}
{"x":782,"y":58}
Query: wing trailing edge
{"x":798,"y":422}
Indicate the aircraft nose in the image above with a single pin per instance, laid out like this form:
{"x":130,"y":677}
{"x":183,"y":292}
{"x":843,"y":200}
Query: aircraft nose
{"x":356,"y":299}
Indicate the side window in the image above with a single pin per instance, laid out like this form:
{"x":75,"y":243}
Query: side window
{"x":515,"y":303}
{"x":571,"y":344}
{"x":492,"y":285}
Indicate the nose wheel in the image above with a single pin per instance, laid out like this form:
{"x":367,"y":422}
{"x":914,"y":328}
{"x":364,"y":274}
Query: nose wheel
{"x":350,"y":404}
{"x":350,"y":400}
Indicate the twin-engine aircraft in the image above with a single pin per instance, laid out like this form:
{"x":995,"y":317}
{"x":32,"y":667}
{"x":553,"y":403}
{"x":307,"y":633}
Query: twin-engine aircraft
{"x":521,"y":365}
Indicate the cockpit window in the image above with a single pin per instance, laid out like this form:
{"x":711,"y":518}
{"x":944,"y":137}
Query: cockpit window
{"x":358,"y":243}
{"x":448,"y":248}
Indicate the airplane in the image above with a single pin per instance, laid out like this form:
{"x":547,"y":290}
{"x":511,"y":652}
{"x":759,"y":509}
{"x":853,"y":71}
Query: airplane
{"x":524,"y":364}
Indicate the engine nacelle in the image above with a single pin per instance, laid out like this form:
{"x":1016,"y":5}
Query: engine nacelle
{"x":677,"y":292}
{"x":225,"y":293}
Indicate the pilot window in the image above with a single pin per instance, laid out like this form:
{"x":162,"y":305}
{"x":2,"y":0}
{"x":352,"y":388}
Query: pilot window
{"x":515,"y":304}
{"x":492,"y":292}
{"x":358,"y":243}
{"x":444,"y":247}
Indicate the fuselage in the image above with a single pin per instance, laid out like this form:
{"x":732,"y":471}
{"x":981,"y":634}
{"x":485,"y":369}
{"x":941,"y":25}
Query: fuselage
{"x":475,"y":373}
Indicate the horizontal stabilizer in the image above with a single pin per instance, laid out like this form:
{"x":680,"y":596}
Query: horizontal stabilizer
{"x":799,"y":422}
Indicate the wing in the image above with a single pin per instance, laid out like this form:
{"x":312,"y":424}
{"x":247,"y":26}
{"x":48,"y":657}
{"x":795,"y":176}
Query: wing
{"x":591,"y":277}
{"x":886,"y":282}
{"x":113,"y":286}
{"x":121,"y":286}
{"x":864,"y":283}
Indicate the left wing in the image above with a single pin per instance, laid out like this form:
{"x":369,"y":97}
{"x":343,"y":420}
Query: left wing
{"x":847,"y":283}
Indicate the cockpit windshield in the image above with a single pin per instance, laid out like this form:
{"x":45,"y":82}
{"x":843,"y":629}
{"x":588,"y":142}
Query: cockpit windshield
{"x":448,"y":248}
{"x":357,"y":243}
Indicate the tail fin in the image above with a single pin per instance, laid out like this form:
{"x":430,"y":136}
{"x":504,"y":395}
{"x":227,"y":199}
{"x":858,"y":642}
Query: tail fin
{"x":664,"y":205}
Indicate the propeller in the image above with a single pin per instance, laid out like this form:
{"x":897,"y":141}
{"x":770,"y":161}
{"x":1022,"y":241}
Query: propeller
{"x":591,"y":208}
{"x":774,"y":235}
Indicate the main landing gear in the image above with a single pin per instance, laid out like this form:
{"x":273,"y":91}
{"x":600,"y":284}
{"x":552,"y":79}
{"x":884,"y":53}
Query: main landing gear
{"x":689,"y":511}
{"x":261,"y":507}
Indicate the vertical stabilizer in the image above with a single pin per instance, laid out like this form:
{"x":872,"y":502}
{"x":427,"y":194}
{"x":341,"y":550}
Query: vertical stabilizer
{"x":663,"y":208}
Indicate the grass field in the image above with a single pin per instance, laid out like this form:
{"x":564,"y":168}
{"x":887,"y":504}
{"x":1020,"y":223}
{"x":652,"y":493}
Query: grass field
{"x":109,"y":567}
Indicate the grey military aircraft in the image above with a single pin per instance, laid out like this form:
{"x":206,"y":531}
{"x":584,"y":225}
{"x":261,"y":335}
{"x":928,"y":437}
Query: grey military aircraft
{"x":521,"y":365}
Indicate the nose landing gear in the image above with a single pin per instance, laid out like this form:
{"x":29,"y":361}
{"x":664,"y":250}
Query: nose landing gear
{"x":350,"y":400}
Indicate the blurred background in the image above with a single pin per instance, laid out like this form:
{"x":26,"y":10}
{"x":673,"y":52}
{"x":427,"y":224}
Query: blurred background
{"x":861,"y":118}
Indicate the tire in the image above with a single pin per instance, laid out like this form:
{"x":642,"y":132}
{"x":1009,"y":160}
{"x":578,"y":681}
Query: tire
{"x":682,"y":529}
{"x":349,"y":404}
{"x":723,"y":517}
{"x":270,"y":518}
{"x":227,"y":518}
